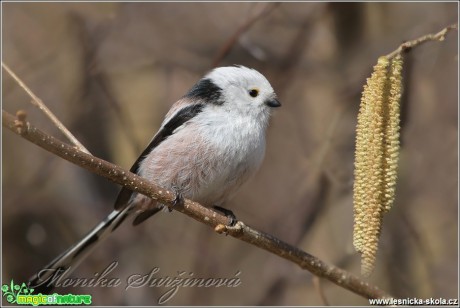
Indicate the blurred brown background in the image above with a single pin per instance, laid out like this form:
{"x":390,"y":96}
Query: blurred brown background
{"x":110,"y":71}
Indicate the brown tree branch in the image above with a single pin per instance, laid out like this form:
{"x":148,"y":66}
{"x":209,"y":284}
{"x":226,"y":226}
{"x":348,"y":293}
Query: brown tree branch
{"x":20,"y":126}
{"x":406,"y":46}
{"x":37,"y":102}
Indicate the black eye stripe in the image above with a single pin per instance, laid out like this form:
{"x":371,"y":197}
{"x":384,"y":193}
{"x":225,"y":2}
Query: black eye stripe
{"x":254,"y":92}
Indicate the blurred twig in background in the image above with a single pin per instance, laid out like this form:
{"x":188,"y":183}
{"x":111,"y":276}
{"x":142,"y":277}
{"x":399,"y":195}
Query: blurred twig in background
{"x":227,"y":47}
{"x":95,"y":74}
{"x":320,"y":291}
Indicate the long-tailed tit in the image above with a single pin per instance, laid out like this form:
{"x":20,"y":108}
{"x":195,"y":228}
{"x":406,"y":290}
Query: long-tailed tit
{"x":210,"y":142}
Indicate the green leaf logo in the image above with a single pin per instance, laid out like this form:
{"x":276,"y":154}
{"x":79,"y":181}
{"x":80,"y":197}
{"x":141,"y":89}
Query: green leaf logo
{"x":12,"y":291}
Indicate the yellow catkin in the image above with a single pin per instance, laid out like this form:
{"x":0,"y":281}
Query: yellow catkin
{"x":376,"y":157}
{"x":392,"y":132}
{"x":368,"y":142}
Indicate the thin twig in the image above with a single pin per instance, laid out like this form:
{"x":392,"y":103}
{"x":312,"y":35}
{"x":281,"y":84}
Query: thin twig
{"x":37,"y":102}
{"x":406,"y":46}
{"x":196,"y":211}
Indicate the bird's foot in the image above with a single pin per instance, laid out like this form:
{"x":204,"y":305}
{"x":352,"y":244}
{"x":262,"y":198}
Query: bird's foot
{"x":178,"y":199}
{"x":229,"y":214}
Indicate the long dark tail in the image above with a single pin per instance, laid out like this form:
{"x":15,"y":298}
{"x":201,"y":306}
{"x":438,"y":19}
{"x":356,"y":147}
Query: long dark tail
{"x":44,"y":281}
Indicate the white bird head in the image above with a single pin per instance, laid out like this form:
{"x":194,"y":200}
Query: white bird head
{"x":244,"y":89}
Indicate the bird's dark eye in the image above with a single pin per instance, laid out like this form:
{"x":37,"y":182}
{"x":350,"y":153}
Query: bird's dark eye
{"x":254,"y":92}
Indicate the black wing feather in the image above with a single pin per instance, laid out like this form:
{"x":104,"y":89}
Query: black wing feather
{"x":181,"y":117}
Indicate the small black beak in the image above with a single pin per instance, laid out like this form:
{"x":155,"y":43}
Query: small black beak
{"x":273,"y":102}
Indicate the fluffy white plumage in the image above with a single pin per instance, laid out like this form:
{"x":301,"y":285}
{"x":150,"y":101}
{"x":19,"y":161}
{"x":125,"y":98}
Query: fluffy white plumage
{"x":209,"y":157}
